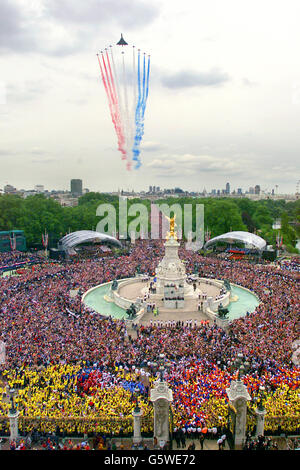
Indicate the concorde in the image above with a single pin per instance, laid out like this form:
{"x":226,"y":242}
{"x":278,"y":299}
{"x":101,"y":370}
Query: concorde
{"x":122,"y":41}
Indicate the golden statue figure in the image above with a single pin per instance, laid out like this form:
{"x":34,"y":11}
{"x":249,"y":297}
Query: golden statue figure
{"x":171,"y":233}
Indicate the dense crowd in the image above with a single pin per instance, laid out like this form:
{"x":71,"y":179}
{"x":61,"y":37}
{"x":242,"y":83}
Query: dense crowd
{"x":15,"y":258}
{"x":292,"y":264}
{"x":72,"y":369}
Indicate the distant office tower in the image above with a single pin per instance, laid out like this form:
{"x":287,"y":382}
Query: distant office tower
{"x":150,"y":189}
{"x":257,"y":189}
{"x":214,"y":191}
{"x":227,"y":190}
{"x":251,"y":190}
{"x":239,"y":191}
{"x":76,"y":188}
{"x":9,"y":189}
{"x":39,"y":188}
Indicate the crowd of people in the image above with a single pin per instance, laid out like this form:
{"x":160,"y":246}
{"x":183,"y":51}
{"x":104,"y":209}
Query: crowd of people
{"x":11,"y":259}
{"x":292,"y":264}
{"x":72,"y":370}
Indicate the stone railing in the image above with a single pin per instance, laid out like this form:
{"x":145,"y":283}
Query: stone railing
{"x":119,"y":300}
{"x":212,"y":304}
{"x":210,"y":307}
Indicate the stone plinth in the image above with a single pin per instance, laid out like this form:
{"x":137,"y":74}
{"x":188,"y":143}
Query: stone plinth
{"x":260,"y":421}
{"x":161,"y":396}
{"x":137,"y":414}
{"x":238,"y":397}
{"x":222,"y":322}
{"x":13,"y":424}
{"x":171,"y":271}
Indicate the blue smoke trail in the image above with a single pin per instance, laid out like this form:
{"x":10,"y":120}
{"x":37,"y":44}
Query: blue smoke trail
{"x":135,"y":149}
{"x":144,"y":78}
{"x":147,"y":87}
{"x":140,"y":109}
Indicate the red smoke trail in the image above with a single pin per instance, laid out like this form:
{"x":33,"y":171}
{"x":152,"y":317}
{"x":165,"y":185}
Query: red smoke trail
{"x":118,"y":129}
{"x":112,"y":100}
{"x":116,"y":101}
{"x":106,"y":89}
{"x":107,"y":79}
{"x":112,"y":80}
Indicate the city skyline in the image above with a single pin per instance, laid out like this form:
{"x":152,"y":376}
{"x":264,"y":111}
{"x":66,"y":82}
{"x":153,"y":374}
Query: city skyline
{"x":77,"y":189}
{"x":224,"y":101}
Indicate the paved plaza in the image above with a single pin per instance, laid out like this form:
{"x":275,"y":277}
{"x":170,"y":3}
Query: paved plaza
{"x":189,"y":312}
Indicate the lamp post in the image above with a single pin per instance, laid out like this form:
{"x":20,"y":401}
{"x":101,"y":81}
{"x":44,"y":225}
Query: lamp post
{"x":137,"y":408}
{"x":13,"y":415}
{"x":12,"y":393}
{"x":137,"y":413}
{"x":261,"y":397}
{"x":80,"y":303}
{"x":241,"y":364}
{"x":161,"y":366}
{"x":45,"y":240}
{"x":260,"y":412}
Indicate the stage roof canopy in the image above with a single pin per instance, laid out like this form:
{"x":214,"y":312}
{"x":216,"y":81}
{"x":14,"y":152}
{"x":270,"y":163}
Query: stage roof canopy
{"x":71,"y":240}
{"x":250,"y":240}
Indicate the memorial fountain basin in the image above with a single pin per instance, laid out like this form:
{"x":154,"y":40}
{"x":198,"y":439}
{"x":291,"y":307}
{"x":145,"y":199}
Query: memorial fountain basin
{"x":104,"y":300}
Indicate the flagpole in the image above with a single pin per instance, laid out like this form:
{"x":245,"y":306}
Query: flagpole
{"x":45,"y":243}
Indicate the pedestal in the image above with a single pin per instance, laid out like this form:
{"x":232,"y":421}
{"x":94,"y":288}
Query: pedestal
{"x":260,"y":422}
{"x":137,"y":436}
{"x":13,"y":424}
{"x":161,"y":396}
{"x":171,"y":271}
{"x":222,"y":322}
{"x":238,"y":397}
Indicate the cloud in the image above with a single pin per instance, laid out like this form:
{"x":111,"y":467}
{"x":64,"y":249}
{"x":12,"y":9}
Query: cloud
{"x":127,"y":13}
{"x":14,"y":31}
{"x":211,"y":168}
{"x":64,"y":27}
{"x":41,"y":156}
{"x":249,"y":83}
{"x":189,"y":79}
{"x":149,"y":146}
{"x":42,"y":162}
{"x":23,"y":29}
{"x":26,"y":90}
{"x":37,"y":151}
{"x":6,"y":152}
{"x":188,"y":165}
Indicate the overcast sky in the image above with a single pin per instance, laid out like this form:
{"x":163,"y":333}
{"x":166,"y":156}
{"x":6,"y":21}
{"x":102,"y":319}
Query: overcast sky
{"x":224,"y":100}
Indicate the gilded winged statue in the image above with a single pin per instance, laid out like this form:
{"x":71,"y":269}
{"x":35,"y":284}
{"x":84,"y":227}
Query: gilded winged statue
{"x":171,"y":233}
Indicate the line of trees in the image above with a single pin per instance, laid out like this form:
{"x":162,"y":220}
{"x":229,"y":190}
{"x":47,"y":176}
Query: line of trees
{"x":35,"y":214}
